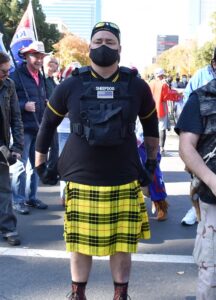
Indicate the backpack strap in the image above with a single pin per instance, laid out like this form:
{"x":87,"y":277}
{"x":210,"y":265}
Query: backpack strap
{"x":86,"y":71}
{"x":131,"y":72}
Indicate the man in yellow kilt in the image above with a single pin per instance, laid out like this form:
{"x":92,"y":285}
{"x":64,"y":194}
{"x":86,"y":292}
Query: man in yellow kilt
{"x":105,"y":212}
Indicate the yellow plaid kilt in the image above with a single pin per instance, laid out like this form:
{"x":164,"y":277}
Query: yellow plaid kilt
{"x":103,"y":220}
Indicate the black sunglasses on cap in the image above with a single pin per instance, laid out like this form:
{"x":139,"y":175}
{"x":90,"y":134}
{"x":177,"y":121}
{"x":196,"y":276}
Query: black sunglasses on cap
{"x":109,"y":26}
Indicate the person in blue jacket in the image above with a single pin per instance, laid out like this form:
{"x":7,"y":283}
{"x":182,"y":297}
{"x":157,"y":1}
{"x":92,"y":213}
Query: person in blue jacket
{"x":30,"y":88}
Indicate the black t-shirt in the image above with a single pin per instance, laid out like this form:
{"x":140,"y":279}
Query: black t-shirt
{"x":190,"y":119}
{"x":95,"y":165}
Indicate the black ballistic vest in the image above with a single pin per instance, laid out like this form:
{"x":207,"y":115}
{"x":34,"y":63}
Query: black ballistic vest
{"x":105,"y":109}
{"x":207,"y":141}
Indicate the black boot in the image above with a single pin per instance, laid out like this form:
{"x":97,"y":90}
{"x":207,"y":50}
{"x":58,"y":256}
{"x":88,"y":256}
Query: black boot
{"x":121,"y":291}
{"x":78,"y":291}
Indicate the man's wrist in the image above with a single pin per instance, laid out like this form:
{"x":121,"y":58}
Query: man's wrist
{"x":151,"y":165}
{"x":40,"y":158}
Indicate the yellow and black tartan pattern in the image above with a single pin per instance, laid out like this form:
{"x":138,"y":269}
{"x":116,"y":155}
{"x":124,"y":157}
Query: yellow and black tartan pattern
{"x":104,"y":220}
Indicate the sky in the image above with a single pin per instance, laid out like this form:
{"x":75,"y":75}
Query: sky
{"x":140,"y":22}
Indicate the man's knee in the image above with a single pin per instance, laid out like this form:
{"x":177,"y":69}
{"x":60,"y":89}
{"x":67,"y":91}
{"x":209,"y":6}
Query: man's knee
{"x":208,"y":276}
{"x":206,"y":287}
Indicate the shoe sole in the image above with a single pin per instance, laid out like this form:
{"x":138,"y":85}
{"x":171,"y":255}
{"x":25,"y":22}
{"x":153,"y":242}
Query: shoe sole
{"x":16,"y":243}
{"x":33,"y":206}
{"x":162,"y":220}
{"x":21,"y":212}
{"x":186,"y":224}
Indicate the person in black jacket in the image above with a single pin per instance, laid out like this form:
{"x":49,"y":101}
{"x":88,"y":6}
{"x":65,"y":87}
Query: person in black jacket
{"x":50,"y":68}
{"x":105,"y":208}
{"x":30,"y":88}
{"x":10,"y":118}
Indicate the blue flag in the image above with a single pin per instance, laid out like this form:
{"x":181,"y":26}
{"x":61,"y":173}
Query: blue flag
{"x":2,"y":46}
{"x":25,"y":33}
{"x":3,"y":49}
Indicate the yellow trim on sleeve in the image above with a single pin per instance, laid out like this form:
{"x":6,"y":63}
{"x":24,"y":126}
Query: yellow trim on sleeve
{"x":116,"y":78}
{"x":93,"y":74}
{"x":54,"y":111}
{"x":149,"y":115}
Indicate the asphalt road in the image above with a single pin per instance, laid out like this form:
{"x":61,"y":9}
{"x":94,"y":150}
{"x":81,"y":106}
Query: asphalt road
{"x":163,"y":268}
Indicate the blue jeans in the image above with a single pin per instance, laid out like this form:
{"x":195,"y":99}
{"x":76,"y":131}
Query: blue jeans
{"x":62,"y":137}
{"x":24,"y":178}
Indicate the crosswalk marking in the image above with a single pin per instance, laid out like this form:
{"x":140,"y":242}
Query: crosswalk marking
{"x":40,"y":253}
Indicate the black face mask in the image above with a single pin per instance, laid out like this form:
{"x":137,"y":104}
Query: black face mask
{"x":104,"y":56}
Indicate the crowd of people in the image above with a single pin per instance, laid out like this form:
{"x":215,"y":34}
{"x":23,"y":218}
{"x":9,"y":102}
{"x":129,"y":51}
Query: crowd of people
{"x":106,"y":151}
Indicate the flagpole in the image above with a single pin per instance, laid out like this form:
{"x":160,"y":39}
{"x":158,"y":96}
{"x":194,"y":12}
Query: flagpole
{"x":36,"y":36}
{"x":33,"y":21}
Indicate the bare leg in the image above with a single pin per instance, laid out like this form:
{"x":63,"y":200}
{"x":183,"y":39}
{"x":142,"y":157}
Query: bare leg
{"x":80,"y":266}
{"x":120,"y":264}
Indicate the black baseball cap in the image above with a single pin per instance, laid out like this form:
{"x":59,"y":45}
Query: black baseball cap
{"x":107,"y":26}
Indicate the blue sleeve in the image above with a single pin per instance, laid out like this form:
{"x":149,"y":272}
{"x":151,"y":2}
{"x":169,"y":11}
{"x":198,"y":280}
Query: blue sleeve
{"x":19,"y":90}
{"x":194,"y":83}
{"x":199,"y":79}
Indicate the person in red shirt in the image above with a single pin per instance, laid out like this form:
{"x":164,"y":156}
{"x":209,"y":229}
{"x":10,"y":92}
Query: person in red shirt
{"x":161,"y":94}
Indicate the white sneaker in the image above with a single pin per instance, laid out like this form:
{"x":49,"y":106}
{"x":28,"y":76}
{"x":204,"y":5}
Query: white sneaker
{"x":190,"y":218}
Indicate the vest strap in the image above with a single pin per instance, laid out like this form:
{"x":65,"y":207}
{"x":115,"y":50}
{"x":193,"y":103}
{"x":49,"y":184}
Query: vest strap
{"x":80,"y":129}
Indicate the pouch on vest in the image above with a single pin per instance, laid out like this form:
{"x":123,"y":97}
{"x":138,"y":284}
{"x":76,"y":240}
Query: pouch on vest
{"x":105,"y":113}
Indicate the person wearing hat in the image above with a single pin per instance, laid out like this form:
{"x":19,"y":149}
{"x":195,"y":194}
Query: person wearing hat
{"x":30,"y":90}
{"x":10,"y":125}
{"x":162,"y":93}
{"x":105,"y":209}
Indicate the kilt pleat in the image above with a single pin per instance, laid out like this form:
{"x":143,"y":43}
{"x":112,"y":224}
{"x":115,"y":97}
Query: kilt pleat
{"x":103,"y":220}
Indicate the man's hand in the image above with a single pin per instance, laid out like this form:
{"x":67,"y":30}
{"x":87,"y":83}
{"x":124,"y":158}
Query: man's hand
{"x":47,"y":175}
{"x":147,"y":176}
{"x":150,"y":166}
{"x":30,"y":106}
{"x":7,"y":156}
{"x":16,"y":154}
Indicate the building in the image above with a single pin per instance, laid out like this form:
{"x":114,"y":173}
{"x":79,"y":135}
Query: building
{"x":78,"y":15}
{"x":59,"y":24}
{"x":165,"y":42}
{"x":207,"y":7}
{"x":200,"y":12}
{"x":197,"y":17}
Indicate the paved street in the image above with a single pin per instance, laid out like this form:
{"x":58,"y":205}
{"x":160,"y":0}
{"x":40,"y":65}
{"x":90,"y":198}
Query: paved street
{"x":163,"y":268}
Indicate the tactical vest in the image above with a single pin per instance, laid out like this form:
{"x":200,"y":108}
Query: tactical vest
{"x":207,"y":141}
{"x":105,"y":109}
